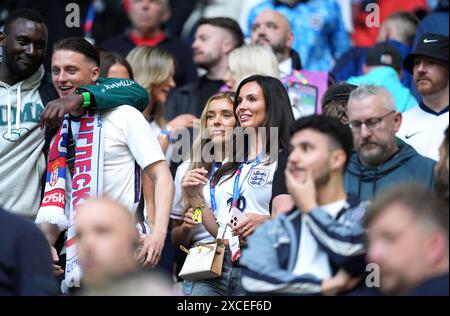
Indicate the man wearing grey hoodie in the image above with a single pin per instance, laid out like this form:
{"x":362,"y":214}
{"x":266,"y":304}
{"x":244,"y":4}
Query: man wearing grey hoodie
{"x":380,"y":159}
{"x":28,"y":102}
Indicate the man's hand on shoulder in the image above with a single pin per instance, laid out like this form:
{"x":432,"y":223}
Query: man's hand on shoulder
{"x":54,"y":111}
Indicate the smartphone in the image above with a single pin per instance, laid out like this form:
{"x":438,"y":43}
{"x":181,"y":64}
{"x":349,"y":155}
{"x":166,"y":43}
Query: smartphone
{"x":304,"y":98}
{"x":235,"y":217}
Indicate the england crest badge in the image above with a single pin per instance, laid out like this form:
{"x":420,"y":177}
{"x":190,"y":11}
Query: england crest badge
{"x":258,"y":177}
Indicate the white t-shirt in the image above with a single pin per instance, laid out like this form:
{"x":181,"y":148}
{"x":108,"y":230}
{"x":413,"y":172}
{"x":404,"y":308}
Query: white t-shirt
{"x":310,"y":258}
{"x":129,"y":147}
{"x":200,"y":232}
{"x":424,"y":130}
{"x":255,"y":191}
{"x":128,"y":139}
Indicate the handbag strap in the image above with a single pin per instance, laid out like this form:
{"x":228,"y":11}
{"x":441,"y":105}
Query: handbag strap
{"x":205,"y":244}
{"x":220,"y":234}
{"x":184,"y":249}
{"x":218,"y":241}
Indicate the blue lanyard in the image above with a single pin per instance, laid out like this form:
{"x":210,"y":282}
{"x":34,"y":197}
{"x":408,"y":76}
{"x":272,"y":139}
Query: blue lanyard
{"x":236,"y":188}
{"x":212,"y":189}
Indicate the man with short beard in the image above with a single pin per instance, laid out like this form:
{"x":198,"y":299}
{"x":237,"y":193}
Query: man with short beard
{"x":214,"y":40}
{"x":380,"y":159}
{"x":319,"y":33}
{"x":424,"y":125}
{"x":272,"y":29}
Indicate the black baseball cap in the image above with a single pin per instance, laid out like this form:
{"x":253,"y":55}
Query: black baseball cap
{"x":430,"y":45}
{"x":338,"y":92}
{"x":384,"y":54}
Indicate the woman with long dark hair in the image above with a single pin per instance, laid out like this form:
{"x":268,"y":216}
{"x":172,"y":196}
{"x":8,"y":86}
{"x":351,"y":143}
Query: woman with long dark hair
{"x":244,"y":182}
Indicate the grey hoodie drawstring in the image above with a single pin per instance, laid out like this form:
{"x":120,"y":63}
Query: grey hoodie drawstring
{"x":28,"y":84}
{"x":8,"y":108}
{"x":18,"y":105}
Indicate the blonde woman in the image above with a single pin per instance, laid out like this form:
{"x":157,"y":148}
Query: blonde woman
{"x":218,"y":116}
{"x":250,"y":60}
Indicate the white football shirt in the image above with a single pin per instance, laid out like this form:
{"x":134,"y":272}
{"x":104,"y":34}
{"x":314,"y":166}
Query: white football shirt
{"x":128,"y":140}
{"x":129,"y":147}
{"x":255,"y":191}
{"x":423,"y":129}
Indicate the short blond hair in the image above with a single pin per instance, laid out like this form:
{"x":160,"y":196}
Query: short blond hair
{"x":251,"y":60}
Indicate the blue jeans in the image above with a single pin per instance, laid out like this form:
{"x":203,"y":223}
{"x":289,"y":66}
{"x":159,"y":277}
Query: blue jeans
{"x":229,"y":284}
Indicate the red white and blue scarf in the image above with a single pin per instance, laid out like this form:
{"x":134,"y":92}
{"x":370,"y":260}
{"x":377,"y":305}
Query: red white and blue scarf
{"x":87,"y":178}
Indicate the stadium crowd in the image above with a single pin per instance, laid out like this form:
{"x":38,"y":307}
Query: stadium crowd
{"x":224,"y":148}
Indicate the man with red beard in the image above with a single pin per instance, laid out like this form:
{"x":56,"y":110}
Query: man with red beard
{"x":424,"y":125}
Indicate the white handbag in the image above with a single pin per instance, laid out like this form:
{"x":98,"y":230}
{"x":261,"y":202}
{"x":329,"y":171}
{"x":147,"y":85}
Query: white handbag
{"x":203,"y":261}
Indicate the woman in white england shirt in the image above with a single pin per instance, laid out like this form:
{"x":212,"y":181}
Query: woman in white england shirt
{"x":216,"y":124}
{"x":245,"y":181}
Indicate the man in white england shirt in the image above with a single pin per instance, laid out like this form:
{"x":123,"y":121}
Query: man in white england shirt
{"x":423,"y":126}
